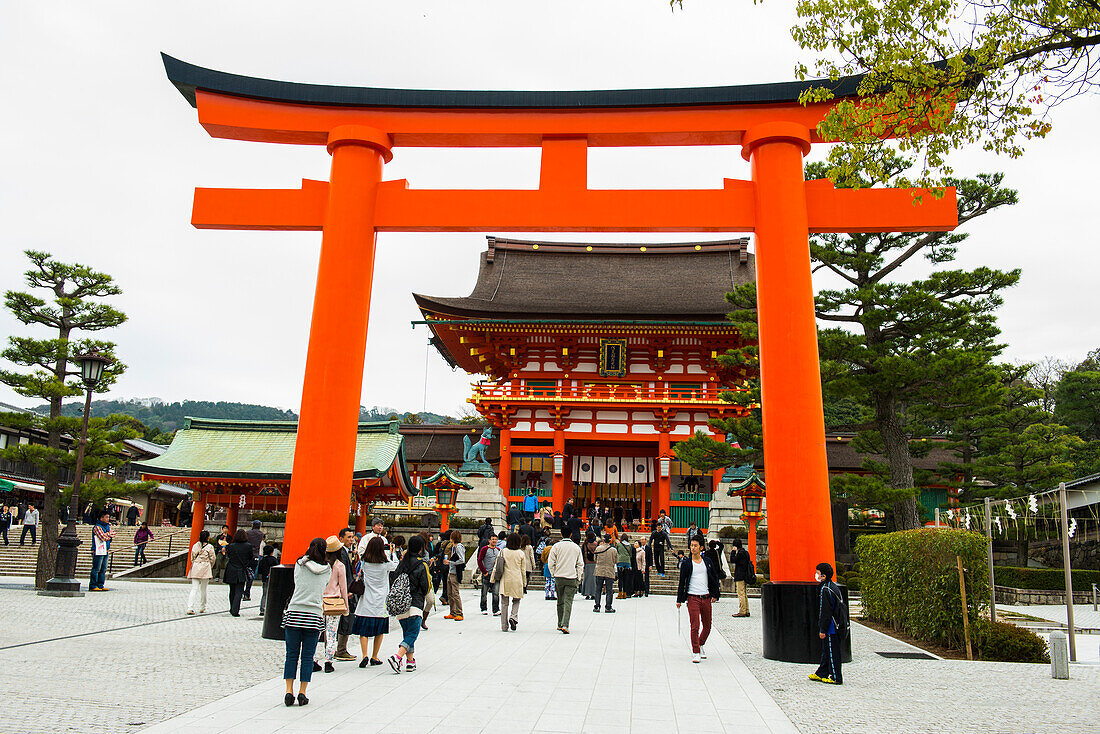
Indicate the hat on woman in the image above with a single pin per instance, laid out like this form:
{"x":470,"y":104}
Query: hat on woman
{"x":333,"y":544}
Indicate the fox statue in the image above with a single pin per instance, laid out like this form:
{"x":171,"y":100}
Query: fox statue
{"x":476,"y":451}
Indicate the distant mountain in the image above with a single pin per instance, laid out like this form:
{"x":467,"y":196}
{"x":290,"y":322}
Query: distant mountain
{"x":167,"y":417}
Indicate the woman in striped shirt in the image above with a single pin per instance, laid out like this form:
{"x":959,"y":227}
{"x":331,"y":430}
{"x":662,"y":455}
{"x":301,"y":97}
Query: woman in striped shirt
{"x":303,"y":619}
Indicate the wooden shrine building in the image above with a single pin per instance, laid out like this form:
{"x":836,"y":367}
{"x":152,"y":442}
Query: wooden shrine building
{"x":598,"y":358}
{"x":246,"y":464}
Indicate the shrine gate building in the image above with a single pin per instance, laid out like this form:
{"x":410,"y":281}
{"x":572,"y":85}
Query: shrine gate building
{"x":599,"y":358}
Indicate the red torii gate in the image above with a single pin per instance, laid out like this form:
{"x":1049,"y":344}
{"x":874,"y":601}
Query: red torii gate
{"x":360,"y":126}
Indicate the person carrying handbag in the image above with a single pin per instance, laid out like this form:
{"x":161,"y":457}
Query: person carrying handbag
{"x":202,"y":564}
{"x":334,"y":599}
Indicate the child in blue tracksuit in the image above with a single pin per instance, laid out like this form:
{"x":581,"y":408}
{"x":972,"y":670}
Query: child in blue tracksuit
{"x":832,"y":625}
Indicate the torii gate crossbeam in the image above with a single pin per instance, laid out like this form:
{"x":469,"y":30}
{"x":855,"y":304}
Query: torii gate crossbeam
{"x":360,"y":127}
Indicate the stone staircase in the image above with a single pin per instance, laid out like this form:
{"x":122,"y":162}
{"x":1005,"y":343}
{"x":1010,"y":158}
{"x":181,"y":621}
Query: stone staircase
{"x":16,"y":560}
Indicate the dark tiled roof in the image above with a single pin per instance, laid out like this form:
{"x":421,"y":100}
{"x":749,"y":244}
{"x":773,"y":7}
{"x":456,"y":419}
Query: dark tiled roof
{"x":430,"y":443}
{"x":550,"y":280}
{"x":842,"y":457}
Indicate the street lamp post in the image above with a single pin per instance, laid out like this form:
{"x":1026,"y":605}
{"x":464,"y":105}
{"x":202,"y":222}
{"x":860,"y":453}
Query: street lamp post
{"x":64,"y":582}
{"x":444,"y":505}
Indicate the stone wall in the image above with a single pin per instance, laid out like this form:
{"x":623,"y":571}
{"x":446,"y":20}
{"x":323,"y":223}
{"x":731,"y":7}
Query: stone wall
{"x":1009,"y":595}
{"x":485,"y":500}
{"x":1082,"y":554}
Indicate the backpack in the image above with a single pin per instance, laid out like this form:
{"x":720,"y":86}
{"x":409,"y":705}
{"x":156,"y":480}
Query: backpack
{"x":399,"y":599}
{"x":840,"y":611}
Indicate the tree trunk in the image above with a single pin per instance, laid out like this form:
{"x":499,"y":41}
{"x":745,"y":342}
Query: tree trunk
{"x":51,"y":494}
{"x":896,"y":447}
{"x":47,"y":545}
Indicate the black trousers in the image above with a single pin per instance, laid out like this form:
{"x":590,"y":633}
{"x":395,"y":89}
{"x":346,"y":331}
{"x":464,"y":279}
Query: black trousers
{"x":830,"y":659}
{"x":659,"y":560}
{"x":28,"y":529}
{"x":606,"y":586}
{"x":236,"y":593}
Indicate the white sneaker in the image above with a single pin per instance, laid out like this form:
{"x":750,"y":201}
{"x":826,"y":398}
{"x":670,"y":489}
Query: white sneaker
{"x":695,"y":657}
{"x":702,"y":652}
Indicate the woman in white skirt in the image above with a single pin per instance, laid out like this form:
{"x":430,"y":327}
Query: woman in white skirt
{"x":202,"y":563}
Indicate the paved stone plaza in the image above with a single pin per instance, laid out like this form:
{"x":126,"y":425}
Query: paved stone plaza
{"x":920,"y":696}
{"x":130,"y":660}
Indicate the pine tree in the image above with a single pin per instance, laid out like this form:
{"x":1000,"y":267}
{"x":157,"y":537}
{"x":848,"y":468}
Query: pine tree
{"x":74,"y":305}
{"x":906,"y":343}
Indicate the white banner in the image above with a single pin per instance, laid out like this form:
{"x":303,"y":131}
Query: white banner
{"x":613,"y":469}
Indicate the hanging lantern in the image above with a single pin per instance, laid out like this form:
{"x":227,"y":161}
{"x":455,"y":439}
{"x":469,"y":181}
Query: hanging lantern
{"x":559,"y":464}
{"x":666,"y":467}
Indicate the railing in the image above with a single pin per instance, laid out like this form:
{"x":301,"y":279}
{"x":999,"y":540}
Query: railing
{"x":693,"y":497}
{"x":186,"y":532}
{"x":602,"y":393}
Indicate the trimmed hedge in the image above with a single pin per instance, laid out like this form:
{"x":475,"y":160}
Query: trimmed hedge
{"x":1007,"y":643}
{"x":909,"y":581}
{"x":1044,"y":579}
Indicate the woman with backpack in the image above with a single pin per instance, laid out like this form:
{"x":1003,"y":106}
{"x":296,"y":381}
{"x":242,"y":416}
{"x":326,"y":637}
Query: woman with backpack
{"x":409,"y":586}
{"x":372,"y":621}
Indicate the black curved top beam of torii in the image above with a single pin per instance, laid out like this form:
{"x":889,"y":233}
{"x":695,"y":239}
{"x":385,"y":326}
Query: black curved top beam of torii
{"x":189,"y":77}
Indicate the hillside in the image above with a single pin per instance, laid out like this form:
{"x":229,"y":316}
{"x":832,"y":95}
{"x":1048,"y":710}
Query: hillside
{"x":167,"y":417}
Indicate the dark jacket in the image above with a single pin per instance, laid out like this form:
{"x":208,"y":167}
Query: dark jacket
{"x":485,"y":533}
{"x":526,"y":529}
{"x":686,"y":569}
{"x":657,"y":541}
{"x":238,"y":558}
{"x":515,"y":516}
{"x":574,"y":525}
{"x":741,"y":563}
{"x":256,"y":540}
{"x":264,"y":567}
{"x":714,"y":553}
{"x":566,"y":512}
{"x":418,"y":579}
{"x":831,"y":617}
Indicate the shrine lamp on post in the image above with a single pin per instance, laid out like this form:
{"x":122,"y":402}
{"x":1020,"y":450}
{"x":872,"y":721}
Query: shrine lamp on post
{"x":751,"y":493}
{"x":64,"y":582}
{"x":446,"y":485}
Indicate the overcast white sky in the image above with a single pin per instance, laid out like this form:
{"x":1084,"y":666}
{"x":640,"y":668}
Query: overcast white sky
{"x":100,"y":155}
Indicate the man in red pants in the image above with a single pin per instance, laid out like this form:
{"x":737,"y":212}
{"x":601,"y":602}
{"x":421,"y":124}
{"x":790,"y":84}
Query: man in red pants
{"x":698,"y":588}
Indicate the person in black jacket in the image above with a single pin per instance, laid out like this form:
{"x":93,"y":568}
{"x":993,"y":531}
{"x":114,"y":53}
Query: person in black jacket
{"x":515,"y":517}
{"x":412,"y":565}
{"x":485,"y":533}
{"x":698,"y":588}
{"x":831,"y":623}
{"x":742,"y":574}
{"x":238,"y":565}
{"x":351,"y":564}
{"x":658,"y":540}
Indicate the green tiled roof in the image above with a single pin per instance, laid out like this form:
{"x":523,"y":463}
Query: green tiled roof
{"x":265,"y":450}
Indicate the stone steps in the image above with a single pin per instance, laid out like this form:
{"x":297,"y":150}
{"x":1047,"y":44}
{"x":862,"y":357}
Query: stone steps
{"x":16,"y":560}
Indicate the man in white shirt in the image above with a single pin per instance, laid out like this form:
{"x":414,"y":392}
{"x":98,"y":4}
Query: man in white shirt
{"x":30,"y":525}
{"x":376,"y":527}
{"x":566,"y":562}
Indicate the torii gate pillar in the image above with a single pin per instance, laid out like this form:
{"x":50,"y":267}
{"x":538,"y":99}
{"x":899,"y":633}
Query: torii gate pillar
{"x":797,"y":468}
{"x":324,"y":455}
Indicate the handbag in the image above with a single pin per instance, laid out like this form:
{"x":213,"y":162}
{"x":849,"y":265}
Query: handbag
{"x":498,"y":569}
{"x":334,"y":606}
{"x":357,"y":586}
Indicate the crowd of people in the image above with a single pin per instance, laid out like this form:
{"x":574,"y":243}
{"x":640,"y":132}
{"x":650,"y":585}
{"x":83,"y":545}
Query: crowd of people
{"x":352,"y":585}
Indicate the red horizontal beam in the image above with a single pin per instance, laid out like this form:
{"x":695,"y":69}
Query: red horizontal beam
{"x":729,"y":209}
